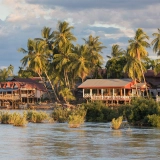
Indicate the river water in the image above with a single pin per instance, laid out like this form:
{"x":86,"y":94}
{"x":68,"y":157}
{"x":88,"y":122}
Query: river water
{"x":49,"y":141}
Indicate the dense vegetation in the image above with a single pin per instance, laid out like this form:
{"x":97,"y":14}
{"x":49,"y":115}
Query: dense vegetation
{"x":63,"y":63}
{"x":141,"y":112}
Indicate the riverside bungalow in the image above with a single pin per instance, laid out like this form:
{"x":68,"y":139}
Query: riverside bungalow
{"x":111,"y":90}
{"x":20,"y":91}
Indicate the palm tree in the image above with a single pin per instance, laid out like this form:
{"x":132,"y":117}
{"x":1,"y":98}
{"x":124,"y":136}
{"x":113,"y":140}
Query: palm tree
{"x":46,"y":37}
{"x":66,"y":94}
{"x":63,"y":35}
{"x":116,"y":51}
{"x":153,"y":64}
{"x":62,"y":61}
{"x":4,"y":73}
{"x":37,"y":59}
{"x":81,"y":64}
{"x":137,"y":48}
{"x":156,"y":42}
{"x":94,"y":49}
{"x":132,"y":69}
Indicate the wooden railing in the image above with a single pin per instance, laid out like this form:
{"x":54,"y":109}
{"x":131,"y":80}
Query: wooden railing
{"x":100,"y":97}
{"x":9,"y":97}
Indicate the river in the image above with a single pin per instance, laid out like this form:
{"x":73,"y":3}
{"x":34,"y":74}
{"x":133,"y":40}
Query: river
{"x":49,"y":141}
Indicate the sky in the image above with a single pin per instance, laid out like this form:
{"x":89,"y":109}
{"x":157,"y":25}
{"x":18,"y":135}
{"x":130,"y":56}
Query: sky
{"x":114,"y":21}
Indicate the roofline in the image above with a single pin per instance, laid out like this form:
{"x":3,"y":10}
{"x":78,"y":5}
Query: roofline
{"x":102,"y":87}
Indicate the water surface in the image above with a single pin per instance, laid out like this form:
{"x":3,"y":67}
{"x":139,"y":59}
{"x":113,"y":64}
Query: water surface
{"x":48,"y":141}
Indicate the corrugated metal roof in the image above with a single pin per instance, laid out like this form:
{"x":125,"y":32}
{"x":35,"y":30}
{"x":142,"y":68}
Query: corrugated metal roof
{"x":105,"y":83}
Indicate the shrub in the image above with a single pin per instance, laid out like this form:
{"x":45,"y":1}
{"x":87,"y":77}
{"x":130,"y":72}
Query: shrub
{"x":116,"y":123}
{"x":13,"y":118}
{"x":60,"y":115}
{"x":37,"y":117}
{"x":94,"y":111}
{"x":20,"y":120}
{"x":154,"y":120}
{"x":77,"y":117}
{"x":5,"y":117}
{"x":140,"y":109}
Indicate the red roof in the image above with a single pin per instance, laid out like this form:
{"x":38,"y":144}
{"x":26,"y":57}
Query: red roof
{"x":23,"y":83}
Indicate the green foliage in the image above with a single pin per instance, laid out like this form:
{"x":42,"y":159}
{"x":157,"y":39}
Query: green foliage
{"x":5,"y":117}
{"x":77,"y":117}
{"x":13,"y":118}
{"x":99,"y":112}
{"x":60,"y":115}
{"x":140,"y":109}
{"x":154,"y":120}
{"x":115,"y":67}
{"x":4,"y":73}
{"x":116,"y":123}
{"x":37,"y":117}
{"x":20,"y":120}
{"x":66,"y":94}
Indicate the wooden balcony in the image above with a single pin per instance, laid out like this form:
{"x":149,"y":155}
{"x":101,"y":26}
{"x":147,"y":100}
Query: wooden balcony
{"x":108,"y":98}
{"x":9,"y":97}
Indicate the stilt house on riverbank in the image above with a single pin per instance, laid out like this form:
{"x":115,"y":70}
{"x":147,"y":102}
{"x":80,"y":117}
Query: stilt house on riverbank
{"x":111,"y":91}
{"x":20,"y":91}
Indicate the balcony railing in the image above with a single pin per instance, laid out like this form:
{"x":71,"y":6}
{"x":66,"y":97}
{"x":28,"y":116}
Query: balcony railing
{"x":100,"y":97}
{"x":9,"y":97}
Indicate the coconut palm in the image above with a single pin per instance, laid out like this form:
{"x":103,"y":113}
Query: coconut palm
{"x":81,"y":64}
{"x":4,"y":73}
{"x":156,"y":42}
{"x":66,"y":94}
{"x":37,"y":60}
{"x":116,"y":51}
{"x":63,"y":35}
{"x":153,"y":64}
{"x":137,"y":48}
{"x":62,"y":61}
{"x":46,"y":37}
{"x":94,"y":49}
{"x":132,"y":69}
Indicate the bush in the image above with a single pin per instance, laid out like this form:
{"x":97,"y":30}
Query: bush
{"x":13,"y":118}
{"x":154,"y":120}
{"x":77,"y":117}
{"x":116,"y":123}
{"x":60,"y":115}
{"x":140,"y":109}
{"x":6,"y":118}
{"x":99,"y":112}
{"x":20,"y":120}
{"x":37,"y":117}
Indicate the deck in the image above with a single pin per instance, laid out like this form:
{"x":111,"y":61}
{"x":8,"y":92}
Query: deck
{"x":109,"y":99}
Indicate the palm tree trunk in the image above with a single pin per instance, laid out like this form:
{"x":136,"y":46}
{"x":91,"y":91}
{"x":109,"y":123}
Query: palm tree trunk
{"x":45,"y":86}
{"x":52,"y":87}
{"x":144,"y":79}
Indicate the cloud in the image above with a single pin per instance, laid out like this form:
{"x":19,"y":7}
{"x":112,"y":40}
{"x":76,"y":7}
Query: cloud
{"x":90,"y":4}
{"x":114,"y":21}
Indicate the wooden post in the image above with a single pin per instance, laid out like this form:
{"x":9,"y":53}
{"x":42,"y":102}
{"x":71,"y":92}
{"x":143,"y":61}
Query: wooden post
{"x":91,"y":93}
{"x":102,"y":93}
{"x":83,"y":93}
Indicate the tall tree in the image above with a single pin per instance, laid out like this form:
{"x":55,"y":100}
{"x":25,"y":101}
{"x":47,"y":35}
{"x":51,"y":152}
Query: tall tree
{"x":137,"y":48}
{"x":156,"y":42}
{"x":81,"y":64}
{"x":132,"y":69}
{"x":4,"y":73}
{"x":37,"y":59}
{"x":63,"y":35}
{"x":63,"y":60}
{"x":116,"y":51}
{"x":94,"y":49}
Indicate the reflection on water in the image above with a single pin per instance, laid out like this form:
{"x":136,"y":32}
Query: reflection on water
{"x":90,"y":141}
